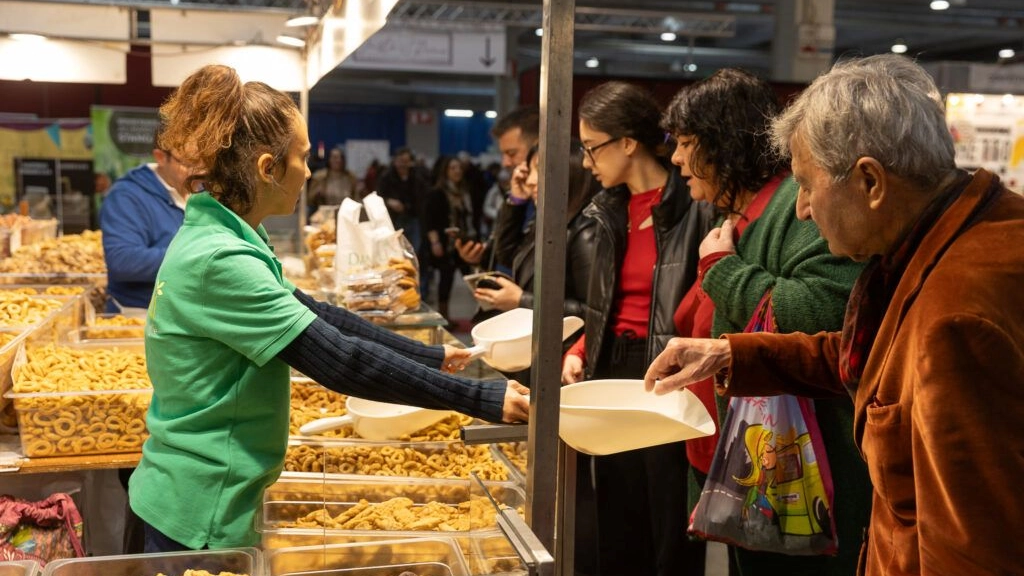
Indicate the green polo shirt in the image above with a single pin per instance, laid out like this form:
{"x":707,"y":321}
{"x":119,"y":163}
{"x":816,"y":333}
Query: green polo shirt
{"x":218,"y":423}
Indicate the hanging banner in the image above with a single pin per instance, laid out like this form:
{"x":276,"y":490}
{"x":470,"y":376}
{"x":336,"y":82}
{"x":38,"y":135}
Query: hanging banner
{"x":122,"y":138}
{"x":65,"y":139}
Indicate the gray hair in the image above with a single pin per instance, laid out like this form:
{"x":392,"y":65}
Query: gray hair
{"x":886,"y":107}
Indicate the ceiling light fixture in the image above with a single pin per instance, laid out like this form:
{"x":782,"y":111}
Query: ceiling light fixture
{"x":939,"y":5}
{"x":457,"y":113}
{"x":291,"y":41}
{"x":304,"y":20}
{"x":668,"y":36}
{"x":592,"y":62}
{"x":691,"y":67}
{"x":539,"y":31}
{"x":491,"y":114}
{"x":1007,"y":53}
{"x":22,"y":37}
{"x":900,"y":47}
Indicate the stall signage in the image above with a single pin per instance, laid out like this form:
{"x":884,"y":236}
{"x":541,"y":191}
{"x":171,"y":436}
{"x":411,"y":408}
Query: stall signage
{"x":457,"y":51}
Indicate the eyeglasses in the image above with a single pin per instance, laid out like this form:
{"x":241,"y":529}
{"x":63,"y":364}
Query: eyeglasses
{"x":589,"y":150}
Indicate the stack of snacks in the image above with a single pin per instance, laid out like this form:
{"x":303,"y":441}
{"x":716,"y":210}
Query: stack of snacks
{"x":73,"y":254}
{"x":372,"y":294}
{"x":409,"y":282}
{"x":88,"y":400}
{"x":17,"y":231}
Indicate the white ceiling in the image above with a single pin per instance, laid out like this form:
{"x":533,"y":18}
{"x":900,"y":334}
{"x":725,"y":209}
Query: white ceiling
{"x":970,"y":30}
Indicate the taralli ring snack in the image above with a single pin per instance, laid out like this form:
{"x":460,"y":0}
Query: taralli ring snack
{"x":71,"y":401}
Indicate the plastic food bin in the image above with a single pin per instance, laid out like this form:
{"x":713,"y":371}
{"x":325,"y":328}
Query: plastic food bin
{"x":290,"y":499}
{"x":356,"y":457}
{"x":422,"y":556}
{"x":45,"y":330}
{"x":65,"y":423}
{"x":19,"y":568}
{"x":246,"y":561}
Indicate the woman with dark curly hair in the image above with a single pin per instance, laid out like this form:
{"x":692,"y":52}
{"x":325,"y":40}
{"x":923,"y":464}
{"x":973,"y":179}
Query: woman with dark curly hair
{"x":720,"y":126}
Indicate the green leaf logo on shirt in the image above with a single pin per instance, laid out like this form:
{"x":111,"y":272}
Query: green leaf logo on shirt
{"x":158,"y":291}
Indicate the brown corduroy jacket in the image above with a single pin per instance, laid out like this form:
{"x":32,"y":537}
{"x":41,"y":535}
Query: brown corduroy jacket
{"x":939,"y":411}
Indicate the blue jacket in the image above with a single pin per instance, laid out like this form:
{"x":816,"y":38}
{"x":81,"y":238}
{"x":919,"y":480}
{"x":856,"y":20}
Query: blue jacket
{"x":138,"y":219}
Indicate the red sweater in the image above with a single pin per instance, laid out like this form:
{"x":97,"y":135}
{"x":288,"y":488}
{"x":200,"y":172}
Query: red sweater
{"x":694,"y":316}
{"x":631,"y":309}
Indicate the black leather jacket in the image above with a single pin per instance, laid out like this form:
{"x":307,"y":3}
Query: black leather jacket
{"x":579,"y":258}
{"x":680,"y":226}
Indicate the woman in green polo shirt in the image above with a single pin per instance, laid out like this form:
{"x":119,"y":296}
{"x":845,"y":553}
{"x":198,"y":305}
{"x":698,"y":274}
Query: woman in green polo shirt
{"x":224,"y":326}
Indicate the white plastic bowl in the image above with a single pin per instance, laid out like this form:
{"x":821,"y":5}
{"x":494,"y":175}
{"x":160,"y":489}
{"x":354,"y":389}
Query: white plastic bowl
{"x":600,"y":417}
{"x":505,"y":341}
{"x":378,"y":420}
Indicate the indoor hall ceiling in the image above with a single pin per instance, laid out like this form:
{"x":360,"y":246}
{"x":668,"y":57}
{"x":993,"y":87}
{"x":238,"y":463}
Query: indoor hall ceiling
{"x":970,"y":30}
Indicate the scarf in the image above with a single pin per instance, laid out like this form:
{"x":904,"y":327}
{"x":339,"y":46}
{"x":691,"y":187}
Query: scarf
{"x":875,"y":287}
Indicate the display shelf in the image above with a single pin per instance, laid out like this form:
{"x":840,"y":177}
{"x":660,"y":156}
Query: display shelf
{"x":73,"y":463}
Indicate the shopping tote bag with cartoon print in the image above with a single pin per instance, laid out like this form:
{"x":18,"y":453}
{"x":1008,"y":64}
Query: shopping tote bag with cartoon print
{"x":769,"y":487}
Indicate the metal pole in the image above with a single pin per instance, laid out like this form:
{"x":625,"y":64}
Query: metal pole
{"x":544,"y":509}
{"x":300,"y":244}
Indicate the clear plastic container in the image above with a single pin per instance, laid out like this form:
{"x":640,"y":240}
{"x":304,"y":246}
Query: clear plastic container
{"x":355,"y":457}
{"x":288,"y":500}
{"x":369,"y":281}
{"x":45,"y":331}
{"x":422,"y":556}
{"x":19,"y":568}
{"x":388,"y":316}
{"x":244,"y":561}
{"x":493,"y":555}
{"x":83,"y":421}
{"x":371,"y":300}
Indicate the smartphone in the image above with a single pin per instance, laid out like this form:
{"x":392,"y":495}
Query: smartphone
{"x":485,"y":280}
{"x":488,"y":282}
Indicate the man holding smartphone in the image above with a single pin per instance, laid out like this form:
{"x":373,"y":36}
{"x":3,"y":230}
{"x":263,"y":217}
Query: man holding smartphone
{"x":515,"y":132}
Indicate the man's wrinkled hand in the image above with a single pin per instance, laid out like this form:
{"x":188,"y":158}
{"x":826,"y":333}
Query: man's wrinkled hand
{"x":686,"y":361}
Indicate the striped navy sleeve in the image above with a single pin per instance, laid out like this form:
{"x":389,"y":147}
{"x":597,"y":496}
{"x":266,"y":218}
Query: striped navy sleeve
{"x":365,"y":369}
{"x":352,"y":325}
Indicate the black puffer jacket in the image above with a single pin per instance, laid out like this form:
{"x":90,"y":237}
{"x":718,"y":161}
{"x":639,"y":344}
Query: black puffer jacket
{"x":680,"y":225}
{"x":579,"y":258}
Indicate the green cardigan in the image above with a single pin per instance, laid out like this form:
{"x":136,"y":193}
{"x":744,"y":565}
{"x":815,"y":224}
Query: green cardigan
{"x":779,"y":252}
{"x":810,"y":288}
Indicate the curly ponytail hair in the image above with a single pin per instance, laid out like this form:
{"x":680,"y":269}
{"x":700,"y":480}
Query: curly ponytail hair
{"x":221,"y":126}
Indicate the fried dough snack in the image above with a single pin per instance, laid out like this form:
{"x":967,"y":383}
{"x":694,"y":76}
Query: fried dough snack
{"x":69,"y":254}
{"x":205,"y":573}
{"x":20,"y":309}
{"x":68,"y":423}
{"x":454,"y":461}
{"x":516,"y":454}
{"x":403,"y":514}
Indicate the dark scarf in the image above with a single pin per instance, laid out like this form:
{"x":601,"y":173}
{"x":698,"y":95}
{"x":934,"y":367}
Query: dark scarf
{"x":877,"y":284}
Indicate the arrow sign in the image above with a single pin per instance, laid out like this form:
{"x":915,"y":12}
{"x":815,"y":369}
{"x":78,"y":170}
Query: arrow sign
{"x":487,"y":60}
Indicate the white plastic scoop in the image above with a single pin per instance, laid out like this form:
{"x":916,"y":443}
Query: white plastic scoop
{"x":378,"y":420}
{"x":505,"y":341}
{"x":601,"y":417}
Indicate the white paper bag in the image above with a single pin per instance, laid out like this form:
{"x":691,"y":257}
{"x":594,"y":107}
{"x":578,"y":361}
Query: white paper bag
{"x":354,"y":238}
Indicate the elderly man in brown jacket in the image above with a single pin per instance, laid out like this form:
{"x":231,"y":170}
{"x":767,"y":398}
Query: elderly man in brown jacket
{"x":932,"y":349}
